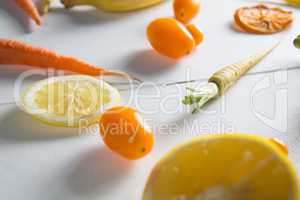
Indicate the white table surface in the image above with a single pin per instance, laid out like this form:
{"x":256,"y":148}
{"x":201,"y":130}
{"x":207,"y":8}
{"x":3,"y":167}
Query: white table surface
{"x":38,"y":161}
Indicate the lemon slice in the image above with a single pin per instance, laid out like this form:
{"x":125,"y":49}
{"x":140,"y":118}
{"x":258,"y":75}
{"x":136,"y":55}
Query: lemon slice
{"x":69,"y":100}
{"x":224,"y":167}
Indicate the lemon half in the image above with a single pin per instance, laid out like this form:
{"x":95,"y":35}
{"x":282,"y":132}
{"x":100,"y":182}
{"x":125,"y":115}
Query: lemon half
{"x":293,"y":2}
{"x":224,"y":167}
{"x":69,"y":100}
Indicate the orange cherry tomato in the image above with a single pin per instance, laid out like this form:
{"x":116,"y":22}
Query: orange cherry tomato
{"x":185,"y":10}
{"x":170,"y":38}
{"x":280,"y":144}
{"x":196,"y":33}
{"x":124,"y":131}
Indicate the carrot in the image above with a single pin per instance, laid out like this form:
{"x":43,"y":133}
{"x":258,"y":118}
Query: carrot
{"x":222,"y":80}
{"x":19,"y":53}
{"x":30,"y":9}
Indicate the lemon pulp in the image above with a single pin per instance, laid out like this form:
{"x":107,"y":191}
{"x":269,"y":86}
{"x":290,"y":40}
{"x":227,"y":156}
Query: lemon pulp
{"x":69,"y":100}
{"x":224,"y":167}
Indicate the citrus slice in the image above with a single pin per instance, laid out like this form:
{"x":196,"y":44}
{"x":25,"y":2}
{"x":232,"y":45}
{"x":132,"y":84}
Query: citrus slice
{"x":69,"y":100}
{"x":262,"y":19}
{"x":224,"y":167}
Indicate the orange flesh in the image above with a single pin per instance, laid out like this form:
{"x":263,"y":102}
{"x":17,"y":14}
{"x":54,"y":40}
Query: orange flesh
{"x":170,"y":38}
{"x":185,"y":10}
{"x":196,"y":33}
{"x":124,"y":131}
{"x":262,"y":19}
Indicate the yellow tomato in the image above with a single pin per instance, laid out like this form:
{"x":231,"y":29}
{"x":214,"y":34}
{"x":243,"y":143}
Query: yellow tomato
{"x":185,"y":10}
{"x":170,"y":38}
{"x":196,"y":33}
{"x":125,"y":132}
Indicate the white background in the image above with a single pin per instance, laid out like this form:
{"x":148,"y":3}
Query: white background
{"x":38,"y":161}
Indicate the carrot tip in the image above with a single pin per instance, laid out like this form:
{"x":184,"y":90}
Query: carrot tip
{"x":30,"y":9}
{"x":38,"y":22}
{"x":120,"y":73}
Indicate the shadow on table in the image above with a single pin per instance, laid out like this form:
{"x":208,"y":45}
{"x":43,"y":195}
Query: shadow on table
{"x":90,"y":15}
{"x":11,"y":8}
{"x":96,"y":171}
{"x":149,"y":62}
{"x":19,"y":126}
{"x":15,"y":71}
{"x":186,"y":121}
{"x":236,"y":29}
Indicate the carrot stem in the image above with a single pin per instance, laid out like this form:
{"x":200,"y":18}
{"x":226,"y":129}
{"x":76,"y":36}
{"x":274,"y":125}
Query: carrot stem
{"x":45,"y":6}
{"x":71,"y":3}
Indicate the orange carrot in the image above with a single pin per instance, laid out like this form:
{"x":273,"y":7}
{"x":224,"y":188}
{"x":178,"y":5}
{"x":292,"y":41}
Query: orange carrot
{"x":19,"y":53}
{"x":30,"y":9}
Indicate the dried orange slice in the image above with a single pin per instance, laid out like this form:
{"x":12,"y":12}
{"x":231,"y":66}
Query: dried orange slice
{"x":262,"y":19}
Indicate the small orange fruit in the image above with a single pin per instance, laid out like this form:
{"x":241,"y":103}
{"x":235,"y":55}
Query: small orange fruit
{"x":125,"y":132}
{"x":196,"y":33}
{"x":185,"y":10}
{"x":262,"y":19}
{"x":170,"y":38}
{"x":281,"y":145}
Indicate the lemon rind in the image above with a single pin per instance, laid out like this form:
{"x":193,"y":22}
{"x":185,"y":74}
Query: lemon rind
{"x":28,"y":105}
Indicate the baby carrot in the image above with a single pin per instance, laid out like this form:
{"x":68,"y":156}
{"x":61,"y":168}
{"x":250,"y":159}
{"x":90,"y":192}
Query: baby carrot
{"x":30,"y":9}
{"x":19,"y":53}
